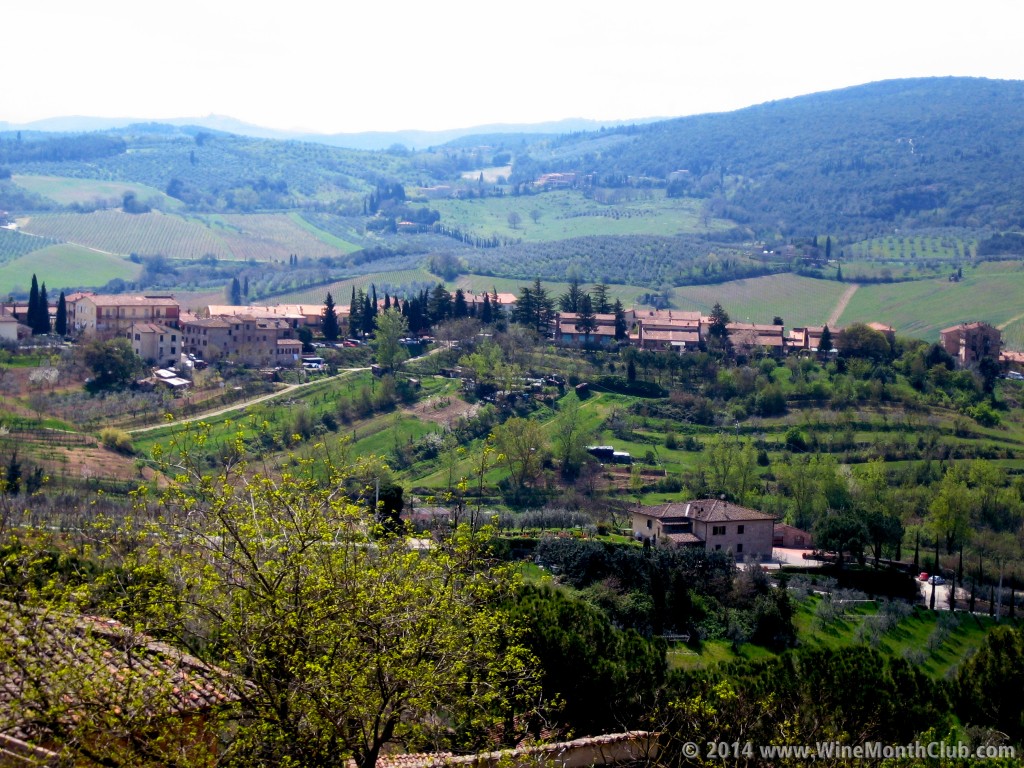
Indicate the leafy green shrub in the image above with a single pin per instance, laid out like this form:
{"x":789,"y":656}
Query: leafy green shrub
{"x":116,"y":440}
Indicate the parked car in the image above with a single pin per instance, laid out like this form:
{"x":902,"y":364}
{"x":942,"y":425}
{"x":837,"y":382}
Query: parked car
{"x":936,"y":580}
{"x":923,"y":577}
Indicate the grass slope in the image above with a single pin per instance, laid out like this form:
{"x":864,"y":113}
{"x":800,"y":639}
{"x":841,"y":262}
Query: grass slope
{"x":65,"y":266}
{"x":68,"y":191}
{"x":992,"y":292}
{"x":798,"y":300}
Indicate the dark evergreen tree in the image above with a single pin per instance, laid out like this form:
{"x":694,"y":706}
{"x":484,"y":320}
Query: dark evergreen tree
{"x":354,"y":305}
{"x":602,"y":304}
{"x":245,"y":286}
{"x":485,"y":311}
{"x":329,"y":322}
{"x":718,"y":331}
{"x":60,"y":325}
{"x":42,"y":325}
{"x":31,"y":316}
{"x":570,"y":301}
{"x":586,"y":322}
{"x":459,"y":306}
{"x":235,"y":292}
{"x":621,"y":329}
{"x":439,"y":306}
{"x":12,"y":477}
{"x":367,"y":316}
{"x":825,"y":344}
{"x":497,"y":312}
{"x":387,"y":301}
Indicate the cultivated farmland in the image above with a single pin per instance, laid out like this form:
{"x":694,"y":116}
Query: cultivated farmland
{"x":273,"y":237}
{"x":559,"y":215}
{"x":146,"y":234}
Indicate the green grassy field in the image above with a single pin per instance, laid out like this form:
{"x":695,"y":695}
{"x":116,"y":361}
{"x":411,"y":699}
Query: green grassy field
{"x":567,"y":213}
{"x":69,"y":191}
{"x":993,"y":292}
{"x":798,"y":300}
{"x":342,"y":246}
{"x":64,"y":266}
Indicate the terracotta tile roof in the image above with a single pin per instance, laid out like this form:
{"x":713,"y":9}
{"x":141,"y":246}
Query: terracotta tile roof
{"x":684,"y":538}
{"x":119,"y":300}
{"x":104,"y":650}
{"x":152,"y":328}
{"x":611,"y":748}
{"x":705,"y":510}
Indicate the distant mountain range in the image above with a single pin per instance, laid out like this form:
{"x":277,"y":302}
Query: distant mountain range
{"x":366,"y":140}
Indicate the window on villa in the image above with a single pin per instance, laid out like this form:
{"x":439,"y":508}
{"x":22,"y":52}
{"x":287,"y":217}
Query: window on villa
{"x":648,"y":525}
{"x":718,"y":530}
{"x":739,"y":548}
{"x":739,"y":529}
{"x":717,"y":547}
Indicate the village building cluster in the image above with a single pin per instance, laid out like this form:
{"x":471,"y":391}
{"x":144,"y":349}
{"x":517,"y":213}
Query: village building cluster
{"x":162,"y":332}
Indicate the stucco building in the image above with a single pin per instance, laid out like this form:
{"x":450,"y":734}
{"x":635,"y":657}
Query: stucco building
{"x":709,"y":523}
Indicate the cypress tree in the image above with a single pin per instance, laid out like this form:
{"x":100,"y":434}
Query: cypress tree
{"x":42,"y":313}
{"x":60,"y":325}
{"x":33,"y":305}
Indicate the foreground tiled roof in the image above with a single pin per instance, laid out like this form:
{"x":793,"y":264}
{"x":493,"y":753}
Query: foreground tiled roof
{"x":609,"y":749}
{"x":108,"y":655}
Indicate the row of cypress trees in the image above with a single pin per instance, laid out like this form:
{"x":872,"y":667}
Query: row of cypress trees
{"x":38,"y":316}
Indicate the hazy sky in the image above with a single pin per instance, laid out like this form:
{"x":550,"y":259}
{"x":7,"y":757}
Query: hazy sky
{"x":354,"y":65}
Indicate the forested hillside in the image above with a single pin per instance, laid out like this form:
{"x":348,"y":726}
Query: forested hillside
{"x":936,"y":151}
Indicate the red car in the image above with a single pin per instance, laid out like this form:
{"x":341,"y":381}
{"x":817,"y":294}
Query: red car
{"x":923,"y":577}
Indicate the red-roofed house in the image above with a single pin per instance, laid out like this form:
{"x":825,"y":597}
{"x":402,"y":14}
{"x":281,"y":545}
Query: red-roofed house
{"x":969,"y":342}
{"x":110,"y":316}
{"x":709,"y":523}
